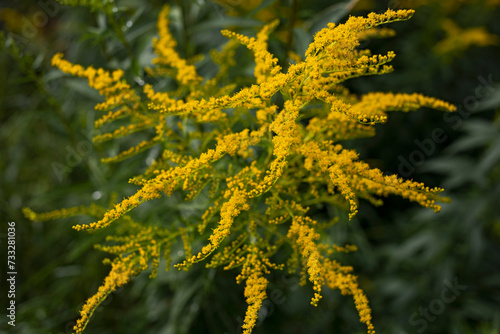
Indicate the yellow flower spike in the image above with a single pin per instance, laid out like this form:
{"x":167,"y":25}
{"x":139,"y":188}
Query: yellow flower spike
{"x":118,"y":276}
{"x":255,"y":294}
{"x":375,"y":104}
{"x":305,"y":236}
{"x":339,"y":179}
{"x":93,"y":210}
{"x":108,"y":84}
{"x":112,"y":116}
{"x":266,"y":65}
{"x":287,"y":135}
{"x":123,"y":131}
{"x":167,"y":181}
{"x":142,"y":146}
{"x":229,"y":211}
{"x":165,"y":49}
{"x":354,"y":178}
{"x":458,"y":40}
{"x":337,"y":277}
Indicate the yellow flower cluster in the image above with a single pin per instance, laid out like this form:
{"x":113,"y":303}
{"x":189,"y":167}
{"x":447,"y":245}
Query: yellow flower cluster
{"x":305,"y":237}
{"x":458,"y":40}
{"x":266,"y":64}
{"x":255,"y":294}
{"x":324,"y":271}
{"x":93,"y":210}
{"x":356,"y":179}
{"x":119,"y":276}
{"x":109,"y":84}
{"x":338,"y":277}
{"x":262,"y":164}
{"x":165,"y":49}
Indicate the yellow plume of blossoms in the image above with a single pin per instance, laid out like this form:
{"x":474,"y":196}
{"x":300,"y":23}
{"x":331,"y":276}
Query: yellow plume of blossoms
{"x":261,"y":162}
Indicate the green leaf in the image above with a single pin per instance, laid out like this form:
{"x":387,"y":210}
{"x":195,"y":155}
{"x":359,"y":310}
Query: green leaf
{"x":492,"y":101}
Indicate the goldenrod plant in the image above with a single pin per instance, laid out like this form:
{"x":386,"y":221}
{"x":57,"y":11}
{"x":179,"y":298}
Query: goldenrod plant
{"x":264,"y":153}
{"x":454,"y":39}
{"x":458,"y":40}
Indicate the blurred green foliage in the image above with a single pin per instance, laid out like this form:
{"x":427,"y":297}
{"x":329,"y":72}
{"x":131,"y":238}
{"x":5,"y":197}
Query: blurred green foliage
{"x":405,"y":256}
